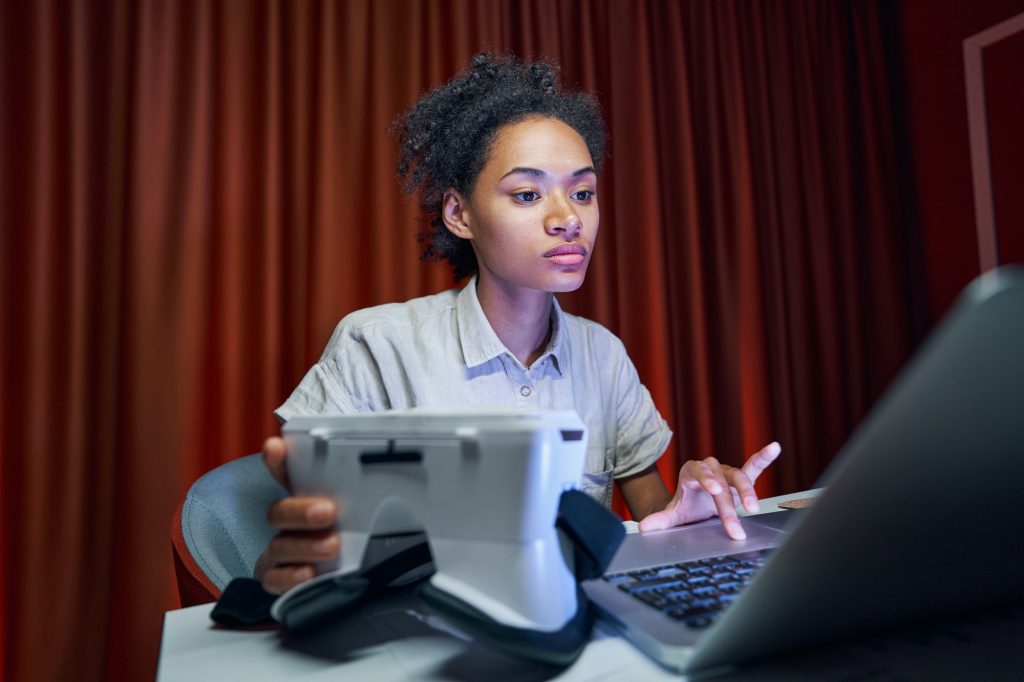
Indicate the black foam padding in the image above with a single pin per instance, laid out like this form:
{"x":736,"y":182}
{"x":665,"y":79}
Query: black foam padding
{"x":558,"y":648}
{"x":243,"y":603}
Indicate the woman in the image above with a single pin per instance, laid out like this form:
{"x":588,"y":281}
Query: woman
{"x":505,"y":164}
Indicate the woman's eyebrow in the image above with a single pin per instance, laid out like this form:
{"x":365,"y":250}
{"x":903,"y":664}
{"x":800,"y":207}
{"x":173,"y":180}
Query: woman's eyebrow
{"x":538,"y":173}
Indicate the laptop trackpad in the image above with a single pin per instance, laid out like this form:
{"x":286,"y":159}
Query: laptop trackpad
{"x":785,"y":519}
{"x":686,"y":543}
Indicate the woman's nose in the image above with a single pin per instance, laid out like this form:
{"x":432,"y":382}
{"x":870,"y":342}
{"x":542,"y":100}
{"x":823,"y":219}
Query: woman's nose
{"x":563,"y":219}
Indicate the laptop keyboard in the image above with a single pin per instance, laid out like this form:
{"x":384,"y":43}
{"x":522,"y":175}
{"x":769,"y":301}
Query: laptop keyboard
{"x":694,"y":592}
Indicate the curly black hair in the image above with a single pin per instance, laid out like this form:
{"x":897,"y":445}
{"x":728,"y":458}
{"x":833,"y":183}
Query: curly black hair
{"x":446,"y":137}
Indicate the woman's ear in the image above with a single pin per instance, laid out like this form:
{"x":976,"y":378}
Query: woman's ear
{"x":455,"y":213}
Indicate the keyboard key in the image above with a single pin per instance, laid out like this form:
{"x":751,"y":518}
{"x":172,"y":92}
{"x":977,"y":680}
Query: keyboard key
{"x":652,"y":598}
{"x":619,"y":578}
{"x":693,"y":591}
{"x":643,"y":574}
{"x":640,"y":585}
{"x":669,"y":570}
{"x":689,"y":611}
{"x":678,"y":595}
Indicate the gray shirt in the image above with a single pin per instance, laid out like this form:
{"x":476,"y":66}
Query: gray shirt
{"x":440,"y":351}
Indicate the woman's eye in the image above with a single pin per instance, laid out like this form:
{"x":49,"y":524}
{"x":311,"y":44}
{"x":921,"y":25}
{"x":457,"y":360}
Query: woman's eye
{"x":527,"y":196}
{"x":582,"y":195}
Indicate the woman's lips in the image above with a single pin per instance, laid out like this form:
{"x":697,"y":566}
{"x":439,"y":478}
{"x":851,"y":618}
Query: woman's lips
{"x":567,"y":254}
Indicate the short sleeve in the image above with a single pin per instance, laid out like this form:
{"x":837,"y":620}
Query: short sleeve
{"x":317,"y":393}
{"x":642,"y":435}
{"x":346,"y":380}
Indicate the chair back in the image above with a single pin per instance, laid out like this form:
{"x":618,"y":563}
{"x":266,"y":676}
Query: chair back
{"x":221,"y":528}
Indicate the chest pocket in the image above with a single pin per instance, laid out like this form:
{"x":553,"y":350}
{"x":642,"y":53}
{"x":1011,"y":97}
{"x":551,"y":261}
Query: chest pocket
{"x":597,"y":471}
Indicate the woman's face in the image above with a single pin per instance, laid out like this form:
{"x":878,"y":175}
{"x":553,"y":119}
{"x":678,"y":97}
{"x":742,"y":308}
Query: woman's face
{"x":532,"y":217}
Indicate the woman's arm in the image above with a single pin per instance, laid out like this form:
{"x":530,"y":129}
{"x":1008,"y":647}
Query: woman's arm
{"x":644,"y":493}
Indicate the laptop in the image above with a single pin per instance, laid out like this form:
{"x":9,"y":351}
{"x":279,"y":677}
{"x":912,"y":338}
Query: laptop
{"x":920,"y":517}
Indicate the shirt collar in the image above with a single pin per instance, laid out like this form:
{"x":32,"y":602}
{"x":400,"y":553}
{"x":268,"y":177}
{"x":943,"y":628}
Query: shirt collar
{"x":478,"y":340}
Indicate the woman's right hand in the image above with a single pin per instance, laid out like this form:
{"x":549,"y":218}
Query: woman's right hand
{"x":305,"y":525}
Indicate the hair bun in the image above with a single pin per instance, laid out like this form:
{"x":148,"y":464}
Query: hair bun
{"x":543,"y":76}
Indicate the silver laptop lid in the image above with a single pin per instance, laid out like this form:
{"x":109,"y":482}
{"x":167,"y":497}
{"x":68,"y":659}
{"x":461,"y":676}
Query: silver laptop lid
{"x":920,"y":515}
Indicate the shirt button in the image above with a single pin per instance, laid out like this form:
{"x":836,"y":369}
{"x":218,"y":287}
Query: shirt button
{"x":525,"y":391}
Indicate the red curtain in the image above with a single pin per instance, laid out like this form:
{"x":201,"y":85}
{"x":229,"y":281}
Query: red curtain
{"x":193,"y":193}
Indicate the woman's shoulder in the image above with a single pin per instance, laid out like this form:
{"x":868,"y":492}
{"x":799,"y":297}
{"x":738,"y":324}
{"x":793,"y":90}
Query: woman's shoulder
{"x":402,"y":315}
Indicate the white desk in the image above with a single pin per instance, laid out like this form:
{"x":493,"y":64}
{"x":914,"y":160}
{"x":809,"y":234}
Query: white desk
{"x":406,"y":648}
{"x":984,"y":647}
{"x":395,"y":640}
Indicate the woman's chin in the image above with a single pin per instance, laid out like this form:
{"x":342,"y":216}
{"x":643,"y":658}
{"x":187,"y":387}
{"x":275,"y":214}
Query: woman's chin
{"x":566,"y":282}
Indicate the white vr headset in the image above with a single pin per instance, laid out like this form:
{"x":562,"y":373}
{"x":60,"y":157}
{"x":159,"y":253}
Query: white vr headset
{"x":482,"y":504}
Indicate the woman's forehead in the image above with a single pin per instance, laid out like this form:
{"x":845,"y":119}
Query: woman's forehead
{"x":541,"y":143}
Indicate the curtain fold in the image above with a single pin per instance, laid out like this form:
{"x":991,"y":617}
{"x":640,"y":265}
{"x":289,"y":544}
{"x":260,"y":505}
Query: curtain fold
{"x":193,"y":193}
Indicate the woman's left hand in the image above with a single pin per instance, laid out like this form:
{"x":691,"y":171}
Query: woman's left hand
{"x":708,"y":487}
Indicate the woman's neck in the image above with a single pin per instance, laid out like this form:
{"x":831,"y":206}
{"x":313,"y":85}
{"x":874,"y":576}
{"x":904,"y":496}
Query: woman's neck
{"x":521,"y":318}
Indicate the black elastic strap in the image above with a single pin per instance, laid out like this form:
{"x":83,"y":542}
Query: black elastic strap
{"x":596,"y":533}
{"x":560,"y":648}
{"x":243,"y":603}
{"x":328,"y":599}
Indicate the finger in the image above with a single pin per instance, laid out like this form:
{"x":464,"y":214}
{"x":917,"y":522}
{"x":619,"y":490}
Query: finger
{"x":706,"y":473}
{"x":280,"y":579}
{"x":745,"y":489}
{"x":730,"y":519}
{"x":274,"y":452}
{"x":723,"y":500}
{"x":690,"y":475}
{"x":760,"y":460}
{"x":656,"y":521}
{"x":302,"y":513}
{"x":303,"y":548}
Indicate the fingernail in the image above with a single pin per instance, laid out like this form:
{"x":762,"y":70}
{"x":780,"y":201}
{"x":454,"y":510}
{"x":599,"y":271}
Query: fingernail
{"x":320,"y":512}
{"x":736,"y":531}
{"x":751,"y":504}
{"x":326,"y":546}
